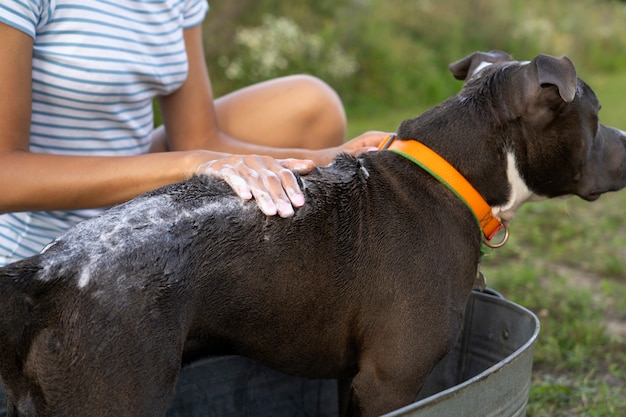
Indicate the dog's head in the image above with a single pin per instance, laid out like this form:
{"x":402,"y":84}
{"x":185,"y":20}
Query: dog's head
{"x":562,"y":148}
{"x":534,"y":127}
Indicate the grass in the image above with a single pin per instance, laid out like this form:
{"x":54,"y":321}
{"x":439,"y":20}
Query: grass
{"x":565,"y":261}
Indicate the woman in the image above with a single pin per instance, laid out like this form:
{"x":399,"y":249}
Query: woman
{"x":77,"y":82}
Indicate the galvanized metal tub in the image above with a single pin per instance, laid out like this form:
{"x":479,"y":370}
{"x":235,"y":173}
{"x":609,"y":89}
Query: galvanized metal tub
{"x":489,"y":371}
{"x":487,"y":374}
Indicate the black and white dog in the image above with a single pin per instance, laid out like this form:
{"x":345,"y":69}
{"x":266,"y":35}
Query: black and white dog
{"x":368,"y":280}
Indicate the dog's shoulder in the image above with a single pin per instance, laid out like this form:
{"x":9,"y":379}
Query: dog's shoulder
{"x":344,"y":170}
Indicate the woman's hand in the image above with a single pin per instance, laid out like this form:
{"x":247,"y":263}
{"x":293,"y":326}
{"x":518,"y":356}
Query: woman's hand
{"x":366,"y":142}
{"x":270,"y":181}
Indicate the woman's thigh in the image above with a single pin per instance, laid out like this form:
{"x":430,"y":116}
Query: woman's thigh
{"x":295,"y":111}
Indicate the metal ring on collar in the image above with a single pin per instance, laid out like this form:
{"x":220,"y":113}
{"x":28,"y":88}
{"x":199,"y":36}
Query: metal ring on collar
{"x":502,"y":242}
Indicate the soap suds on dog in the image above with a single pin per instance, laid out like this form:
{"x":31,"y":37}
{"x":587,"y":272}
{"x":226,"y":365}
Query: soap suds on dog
{"x":141,"y":222}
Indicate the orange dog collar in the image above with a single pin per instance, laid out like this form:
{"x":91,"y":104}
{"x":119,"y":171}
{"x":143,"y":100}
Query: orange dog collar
{"x":439,"y":168}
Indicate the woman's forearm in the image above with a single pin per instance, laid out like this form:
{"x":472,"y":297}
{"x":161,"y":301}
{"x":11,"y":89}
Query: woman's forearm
{"x":30,"y":181}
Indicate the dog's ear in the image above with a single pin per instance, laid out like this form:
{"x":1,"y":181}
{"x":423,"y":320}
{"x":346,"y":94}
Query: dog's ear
{"x":559,"y":72}
{"x":465,"y":68}
{"x":549,"y":84}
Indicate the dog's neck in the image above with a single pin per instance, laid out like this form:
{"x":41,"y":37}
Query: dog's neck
{"x":492,"y":167}
{"x":439,"y":168}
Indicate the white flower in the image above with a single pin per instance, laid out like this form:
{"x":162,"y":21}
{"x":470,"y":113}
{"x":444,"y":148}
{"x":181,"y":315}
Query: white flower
{"x":279,"y":46}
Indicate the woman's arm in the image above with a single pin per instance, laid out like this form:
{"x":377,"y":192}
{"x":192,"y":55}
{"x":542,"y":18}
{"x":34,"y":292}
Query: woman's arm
{"x":30,"y":181}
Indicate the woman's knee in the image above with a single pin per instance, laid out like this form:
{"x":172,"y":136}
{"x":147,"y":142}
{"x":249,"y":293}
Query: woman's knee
{"x":297,"y":111}
{"x":321,"y":112}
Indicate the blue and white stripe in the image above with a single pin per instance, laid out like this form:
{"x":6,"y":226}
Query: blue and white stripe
{"x":97,"y":66}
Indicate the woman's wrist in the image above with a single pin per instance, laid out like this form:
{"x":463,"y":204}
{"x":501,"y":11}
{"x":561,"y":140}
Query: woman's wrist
{"x":192,"y":160}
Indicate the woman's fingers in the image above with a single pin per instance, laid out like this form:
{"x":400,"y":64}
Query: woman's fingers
{"x":270,"y":182}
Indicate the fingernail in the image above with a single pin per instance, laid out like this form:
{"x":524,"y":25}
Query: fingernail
{"x":244,"y":193}
{"x":296,"y":198}
{"x":266,"y":205}
{"x":285,"y":209}
{"x":302,"y":167}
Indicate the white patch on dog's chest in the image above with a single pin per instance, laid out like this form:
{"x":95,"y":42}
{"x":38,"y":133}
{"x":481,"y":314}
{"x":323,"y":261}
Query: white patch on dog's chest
{"x":520,"y":193}
{"x":95,"y":245}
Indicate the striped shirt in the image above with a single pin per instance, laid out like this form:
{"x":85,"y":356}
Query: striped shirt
{"x":97,"y":66}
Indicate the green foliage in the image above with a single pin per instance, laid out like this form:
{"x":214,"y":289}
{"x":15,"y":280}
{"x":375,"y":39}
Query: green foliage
{"x":565,"y":261}
{"x":279,"y":46}
{"x":402,"y":47}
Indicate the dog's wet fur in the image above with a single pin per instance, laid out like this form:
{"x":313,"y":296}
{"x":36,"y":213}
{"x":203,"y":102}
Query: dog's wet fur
{"x":368,"y":280}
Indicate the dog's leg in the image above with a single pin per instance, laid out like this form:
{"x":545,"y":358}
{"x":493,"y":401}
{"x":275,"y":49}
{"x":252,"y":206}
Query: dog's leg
{"x":393,"y":366}
{"x":111,"y":377}
{"x":382,"y":386}
{"x":376,"y":391}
